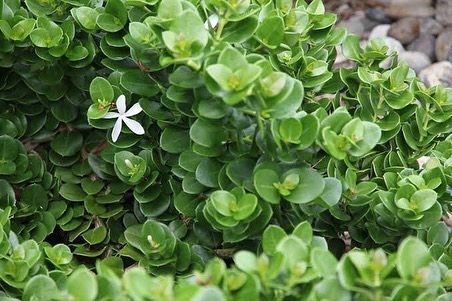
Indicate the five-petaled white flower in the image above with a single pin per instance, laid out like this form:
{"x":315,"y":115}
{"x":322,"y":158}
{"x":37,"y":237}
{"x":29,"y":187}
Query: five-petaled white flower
{"x":124,"y":115}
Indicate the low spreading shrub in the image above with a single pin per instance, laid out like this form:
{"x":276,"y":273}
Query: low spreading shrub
{"x":210,"y":150}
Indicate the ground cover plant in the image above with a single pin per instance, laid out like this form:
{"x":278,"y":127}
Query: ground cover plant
{"x":209,"y":150}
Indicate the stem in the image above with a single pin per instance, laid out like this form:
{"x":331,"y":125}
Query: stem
{"x":194,"y":65}
{"x":260,"y":125}
{"x":219,"y":31}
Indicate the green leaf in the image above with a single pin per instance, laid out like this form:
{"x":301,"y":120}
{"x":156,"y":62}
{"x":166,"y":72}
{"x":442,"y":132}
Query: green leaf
{"x":208,"y":293}
{"x":114,"y":18}
{"x":246,"y":261}
{"x":207,"y":172}
{"x":34,"y":196}
{"x":304,"y":232}
{"x":207,"y":133}
{"x":294,"y":250}
{"x":169,"y":9}
{"x":174,"y":140}
{"x":439,"y":234}
{"x":86,"y":16}
{"x":8,"y":148}
{"x":316,"y":8}
{"x":423,"y":199}
{"x":371,"y":136}
{"x":271,"y":238}
{"x":141,"y":32}
{"x":351,"y":48}
{"x":310,"y":187}
{"x":137,"y":283}
{"x":72,"y":192}
{"x":82,"y":285}
{"x":271,"y":31}
{"x":67,"y":143}
{"x":139,"y":83}
{"x":324,"y":262}
{"x":222,"y":75}
{"x":101,"y":90}
{"x":310,"y":127}
{"x":232,"y":58}
{"x":223,"y":201}
{"x":332,"y":192}
{"x":47,"y":35}
{"x":398,"y":76}
{"x":290,"y":130}
{"x":40,"y":288}
{"x":412,"y":248}
{"x":96,"y":235}
{"x":130,"y":166}
{"x":59,"y":254}
{"x":22,"y":29}
{"x":92,"y":186}
{"x":246,"y":206}
{"x":263,"y":182}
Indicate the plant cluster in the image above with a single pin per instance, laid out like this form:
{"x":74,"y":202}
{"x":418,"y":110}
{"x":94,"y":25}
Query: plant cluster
{"x":164,"y":149}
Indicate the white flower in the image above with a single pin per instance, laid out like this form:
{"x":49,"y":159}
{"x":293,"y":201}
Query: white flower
{"x":212,"y":20}
{"x":124,"y":115}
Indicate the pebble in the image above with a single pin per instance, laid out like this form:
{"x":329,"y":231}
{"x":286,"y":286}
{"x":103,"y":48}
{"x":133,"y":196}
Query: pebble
{"x":354,"y":25}
{"x":438,"y":73}
{"x":444,"y":45}
{"x":379,"y":31}
{"x":383,"y":3}
{"x":405,"y":30}
{"x":410,"y":8}
{"x":444,"y":12}
{"x":416,"y":60}
{"x":378,"y":15}
{"x":425,"y":43}
{"x":431,"y":26}
{"x":394,"y":45}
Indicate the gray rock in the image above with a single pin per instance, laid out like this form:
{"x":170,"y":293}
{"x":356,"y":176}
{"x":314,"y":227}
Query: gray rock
{"x":444,"y":45}
{"x":405,"y":30}
{"x":430,"y":26}
{"x":354,"y":25}
{"x":425,"y":43}
{"x":438,"y":73}
{"x":444,"y":12}
{"x":378,"y":15}
{"x":416,"y":60}
{"x":379,"y":31}
{"x":380,"y":3}
{"x":394,"y":45}
{"x":409,"y":8}
{"x":368,"y":24}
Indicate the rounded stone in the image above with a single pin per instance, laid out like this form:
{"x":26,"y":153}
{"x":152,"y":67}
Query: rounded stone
{"x":394,"y":45}
{"x":416,"y":60}
{"x":377,"y":14}
{"x":379,"y":31}
{"x":430,"y":26}
{"x":425,"y":43}
{"x":405,"y":30}
{"x":437,"y":74}
{"x":444,"y":45}
{"x":409,"y":8}
{"x":444,"y":12}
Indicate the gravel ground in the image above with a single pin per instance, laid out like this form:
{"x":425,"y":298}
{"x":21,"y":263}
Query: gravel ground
{"x":419,"y":30}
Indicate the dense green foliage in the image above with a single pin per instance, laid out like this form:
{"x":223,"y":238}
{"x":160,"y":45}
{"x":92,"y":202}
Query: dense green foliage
{"x":162,"y":150}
